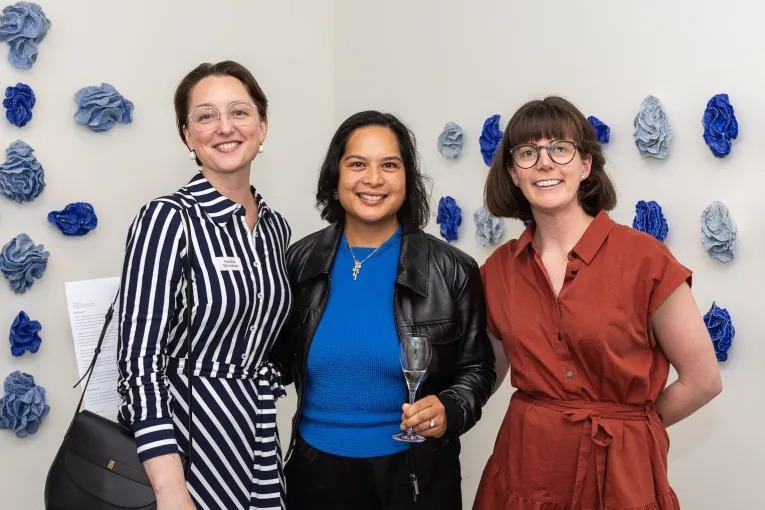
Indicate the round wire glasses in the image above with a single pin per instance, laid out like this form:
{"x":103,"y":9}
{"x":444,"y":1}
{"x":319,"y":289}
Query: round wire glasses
{"x":207,"y":118}
{"x":561,"y":152}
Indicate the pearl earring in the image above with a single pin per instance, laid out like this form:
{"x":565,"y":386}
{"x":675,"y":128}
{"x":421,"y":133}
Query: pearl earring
{"x":515,"y":182}
{"x":260,"y":149}
{"x":192,"y":155}
{"x":584,"y":177}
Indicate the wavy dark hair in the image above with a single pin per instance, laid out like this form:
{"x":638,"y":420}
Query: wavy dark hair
{"x":202,"y":71}
{"x":554,"y":118}
{"x":415,"y":210}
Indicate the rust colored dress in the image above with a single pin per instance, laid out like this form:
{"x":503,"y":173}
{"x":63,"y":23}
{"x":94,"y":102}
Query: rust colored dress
{"x":581,"y":431}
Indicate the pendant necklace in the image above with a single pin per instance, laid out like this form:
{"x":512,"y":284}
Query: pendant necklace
{"x":357,"y":263}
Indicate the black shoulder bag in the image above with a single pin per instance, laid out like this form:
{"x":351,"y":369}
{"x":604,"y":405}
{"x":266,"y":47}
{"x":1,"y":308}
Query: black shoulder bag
{"x":97,"y":465}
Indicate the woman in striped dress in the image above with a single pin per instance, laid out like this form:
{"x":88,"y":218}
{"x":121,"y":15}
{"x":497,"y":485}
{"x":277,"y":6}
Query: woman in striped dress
{"x":241,"y":299}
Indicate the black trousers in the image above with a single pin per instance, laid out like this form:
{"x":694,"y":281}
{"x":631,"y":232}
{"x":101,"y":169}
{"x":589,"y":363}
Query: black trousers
{"x":321,"y":481}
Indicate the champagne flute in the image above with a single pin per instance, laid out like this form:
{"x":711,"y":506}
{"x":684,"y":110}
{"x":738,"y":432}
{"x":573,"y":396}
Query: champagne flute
{"x":414,"y":354}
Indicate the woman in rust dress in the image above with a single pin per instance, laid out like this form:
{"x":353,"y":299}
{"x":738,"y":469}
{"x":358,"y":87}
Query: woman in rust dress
{"x":589,"y":314}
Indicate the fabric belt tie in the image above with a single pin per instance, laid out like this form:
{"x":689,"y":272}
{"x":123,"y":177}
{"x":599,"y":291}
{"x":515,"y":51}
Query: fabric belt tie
{"x":597,"y":433}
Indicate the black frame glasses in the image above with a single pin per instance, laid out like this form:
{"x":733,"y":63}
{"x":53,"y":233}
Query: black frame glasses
{"x":559,"y":158}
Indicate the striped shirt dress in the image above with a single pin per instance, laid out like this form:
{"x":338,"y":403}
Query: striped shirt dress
{"x":241,"y":300}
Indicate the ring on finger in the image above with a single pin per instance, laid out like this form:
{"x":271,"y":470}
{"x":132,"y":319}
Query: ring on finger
{"x":432,"y":423}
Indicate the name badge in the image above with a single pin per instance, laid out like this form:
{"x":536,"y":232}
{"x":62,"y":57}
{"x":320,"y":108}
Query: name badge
{"x":227,"y":263}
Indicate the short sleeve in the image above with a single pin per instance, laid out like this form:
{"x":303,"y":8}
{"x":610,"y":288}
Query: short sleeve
{"x":666,"y":275}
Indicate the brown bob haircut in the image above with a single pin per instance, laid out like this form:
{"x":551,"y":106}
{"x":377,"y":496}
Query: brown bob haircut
{"x":202,"y":71}
{"x":553,"y":118}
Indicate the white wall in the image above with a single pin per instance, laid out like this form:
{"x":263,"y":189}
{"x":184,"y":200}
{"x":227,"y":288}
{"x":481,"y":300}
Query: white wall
{"x":430,"y":62}
{"x":435,"y":61}
{"x":143,"y":48}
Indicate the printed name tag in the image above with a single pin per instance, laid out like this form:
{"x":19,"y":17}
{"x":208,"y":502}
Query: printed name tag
{"x":227,"y":263}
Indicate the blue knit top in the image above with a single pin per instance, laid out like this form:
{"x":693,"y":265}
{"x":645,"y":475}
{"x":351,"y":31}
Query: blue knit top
{"x":354,"y":385}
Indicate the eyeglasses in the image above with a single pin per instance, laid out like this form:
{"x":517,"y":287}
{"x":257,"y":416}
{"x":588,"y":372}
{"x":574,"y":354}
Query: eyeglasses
{"x":206,"y":118}
{"x":526,"y":155}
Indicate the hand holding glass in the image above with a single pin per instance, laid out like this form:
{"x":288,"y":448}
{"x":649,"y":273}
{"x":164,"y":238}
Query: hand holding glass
{"x":414,"y":354}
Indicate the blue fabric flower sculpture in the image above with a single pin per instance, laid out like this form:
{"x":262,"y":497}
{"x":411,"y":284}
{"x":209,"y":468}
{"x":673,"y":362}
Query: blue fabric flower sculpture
{"x":721,"y":330}
{"x":25,"y":335}
{"x":100,"y":108}
{"x":602,"y":131}
{"x":21,"y":262}
{"x":649,"y":218}
{"x":23,"y":406}
{"x":488,"y":229}
{"x":490,"y":138}
{"x":450,"y":141}
{"x":21,"y":176}
{"x":718,"y":232}
{"x":449,"y":217}
{"x":76,"y":219}
{"x":720,"y":125}
{"x":652,"y":129}
{"x":19,"y":101}
{"x":23,"y":26}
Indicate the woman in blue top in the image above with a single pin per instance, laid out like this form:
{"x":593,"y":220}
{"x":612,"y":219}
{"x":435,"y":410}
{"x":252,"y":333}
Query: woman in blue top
{"x":359,"y":285}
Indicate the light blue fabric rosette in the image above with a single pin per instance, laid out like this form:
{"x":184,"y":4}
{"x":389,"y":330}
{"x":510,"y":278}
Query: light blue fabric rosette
{"x":22,"y":177}
{"x":22,"y":262}
{"x":449,"y":217}
{"x":450,"y":141}
{"x":76,"y":219}
{"x":100,"y":108}
{"x":649,"y":218}
{"x":602,"y":131}
{"x":23,"y":406}
{"x":652,"y":129}
{"x":18,"y":103}
{"x":721,"y":330}
{"x":718,"y":232}
{"x":490,"y":138}
{"x":488,"y":229}
{"x":720,"y":125}
{"x":23,"y":26}
{"x":25,"y":335}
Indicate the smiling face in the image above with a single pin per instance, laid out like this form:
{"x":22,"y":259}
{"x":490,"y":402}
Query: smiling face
{"x":226,"y":149}
{"x":372,"y":183}
{"x":548,"y":186}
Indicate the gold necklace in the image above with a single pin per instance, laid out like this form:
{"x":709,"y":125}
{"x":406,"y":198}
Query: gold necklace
{"x":356,"y":263}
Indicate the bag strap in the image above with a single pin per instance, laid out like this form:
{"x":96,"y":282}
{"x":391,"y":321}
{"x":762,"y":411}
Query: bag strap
{"x":189,"y":355}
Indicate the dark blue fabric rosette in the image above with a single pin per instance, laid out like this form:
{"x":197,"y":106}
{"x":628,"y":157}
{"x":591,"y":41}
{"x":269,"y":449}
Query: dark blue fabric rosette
{"x":449,"y":217}
{"x":490,"y":138}
{"x":100,"y":108}
{"x":602,"y":131}
{"x":18,"y":102}
{"x":22,"y":262}
{"x":76,"y":219}
{"x":23,"y":406}
{"x":22,"y":178}
{"x":23,"y":26}
{"x":649,"y":218}
{"x":720,"y":125}
{"x":721,"y":330}
{"x":25,"y":335}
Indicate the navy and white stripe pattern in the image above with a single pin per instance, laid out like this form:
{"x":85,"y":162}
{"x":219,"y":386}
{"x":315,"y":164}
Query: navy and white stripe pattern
{"x":239,"y":306}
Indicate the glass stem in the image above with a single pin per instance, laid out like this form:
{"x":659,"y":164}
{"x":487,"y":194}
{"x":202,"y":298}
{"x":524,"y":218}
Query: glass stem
{"x":412,"y":393}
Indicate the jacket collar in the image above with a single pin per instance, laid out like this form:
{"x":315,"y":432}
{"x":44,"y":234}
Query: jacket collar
{"x":413,"y":267}
{"x":218,"y":207}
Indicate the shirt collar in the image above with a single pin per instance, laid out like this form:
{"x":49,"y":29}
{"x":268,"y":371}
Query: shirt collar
{"x":589,"y":244}
{"x":218,"y":207}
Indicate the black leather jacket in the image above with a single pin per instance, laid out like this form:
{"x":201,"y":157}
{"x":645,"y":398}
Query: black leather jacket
{"x":438,"y":292}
